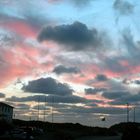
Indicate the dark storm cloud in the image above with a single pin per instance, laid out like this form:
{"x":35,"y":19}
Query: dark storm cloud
{"x":2,"y":95}
{"x":75,"y":36}
{"x":101,"y":77}
{"x":62,"y":69}
{"x":55,"y":99}
{"x":48,"y":86}
{"x":123,"y":7}
{"x":89,"y":91}
{"x":115,"y":94}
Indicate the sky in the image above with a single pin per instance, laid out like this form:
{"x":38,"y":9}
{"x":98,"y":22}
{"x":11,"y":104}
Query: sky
{"x":79,"y":58}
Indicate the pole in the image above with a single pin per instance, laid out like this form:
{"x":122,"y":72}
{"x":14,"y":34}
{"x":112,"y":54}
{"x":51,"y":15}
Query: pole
{"x":134,"y":115}
{"x":52,"y":111}
{"x":127,"y":112}
{"x":52,"y":107}
{"x":38,"y":110}
{"x":45,"y":110}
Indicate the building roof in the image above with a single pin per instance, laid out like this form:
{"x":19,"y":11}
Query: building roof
{"x":4,"y":104}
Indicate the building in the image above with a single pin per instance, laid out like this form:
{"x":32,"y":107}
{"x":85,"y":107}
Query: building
{"x":6,"y":112}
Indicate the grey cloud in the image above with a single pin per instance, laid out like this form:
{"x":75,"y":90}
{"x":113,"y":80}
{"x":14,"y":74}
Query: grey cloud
{"x":50,"y":99}
{"x":115,"y":94}
{"x":21,"y":106}
{"x":64,"y":109}
{"x":137,"y":82}
{"x":132,"y":98}
{"x":36,"y":19}
{"x":101,"y":110}
{"x":98,"y":78}
{"x":94,"y":90}
{"x":126,"y":81}
{"x":2,"y":95}
{"x":48,"y":86}
{"x":41,"y":107}
{"x":131,"y":47}
{"x":75,"y":36}
{"x":26,"y":14}
{"x":112,"y":84}
{"x":113,"y":64}
{"x":123,"y":7}
{"x":7,"y":38}
{"x":129,"y":98}
{"x":77,"y":3}
{"x":62,"y":69}
{"x":80,"y":3}
{"x":101,"y":77}
{"x":129,"y":42}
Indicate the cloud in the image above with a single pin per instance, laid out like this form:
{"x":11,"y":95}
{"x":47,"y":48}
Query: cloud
{"x":48,"y":86}
{"x":7,"y":38}
{"x":24,"y":63}
{"x":131,"y":46}
{"x":137,"y":82}
{"x":21,"y":106}
{"x":51,"y":98}
{"x":89,"y":91}
{"x":36,"y":20}
{"x":122,"y":97}
{"x":60,"y":69}
{"x":75,"y":36}
{"x":66,"y":100}
{"x":25,"y":12}
{"x":101,"y":77}
{"x":80,"y":3}
{"x":101,"y":110}
{"x":2,"y":95}
{"x":126,"y":81}
{"x":115,"y":94}
{"x":77,"y":3}
{"x":128,"y":41}
{"x":123,"y":7}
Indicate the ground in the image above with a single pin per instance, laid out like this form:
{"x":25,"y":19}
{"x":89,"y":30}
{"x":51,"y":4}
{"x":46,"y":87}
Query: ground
{"x":100,"y":138}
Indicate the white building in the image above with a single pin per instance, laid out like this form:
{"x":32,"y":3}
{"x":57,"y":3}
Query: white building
{"x":6,"y":112}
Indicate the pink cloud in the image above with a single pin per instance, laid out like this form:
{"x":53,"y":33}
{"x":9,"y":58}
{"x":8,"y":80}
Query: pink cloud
{"x":21,"y":61}
{"x":21,"y":28}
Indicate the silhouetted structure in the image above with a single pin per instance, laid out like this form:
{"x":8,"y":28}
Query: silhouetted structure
{"x":6,"y":112}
